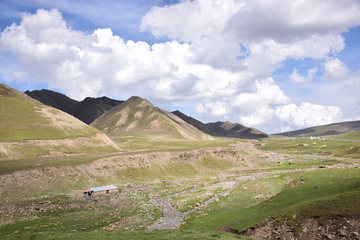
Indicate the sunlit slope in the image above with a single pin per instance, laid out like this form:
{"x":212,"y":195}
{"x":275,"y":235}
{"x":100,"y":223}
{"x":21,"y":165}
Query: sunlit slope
{"x":27,"y":127}
{"x":138,"y":117}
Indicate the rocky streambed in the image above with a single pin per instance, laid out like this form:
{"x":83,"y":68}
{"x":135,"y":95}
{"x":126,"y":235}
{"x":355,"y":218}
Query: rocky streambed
{"x":173,"y":218}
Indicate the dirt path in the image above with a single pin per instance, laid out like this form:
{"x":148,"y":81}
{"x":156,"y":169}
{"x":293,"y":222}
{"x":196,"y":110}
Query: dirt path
{"x":173,"y":218}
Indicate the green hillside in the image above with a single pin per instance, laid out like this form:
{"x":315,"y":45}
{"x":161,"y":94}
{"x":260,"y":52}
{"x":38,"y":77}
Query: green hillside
{"x":22,"y":119}
{"x":31,"y":128}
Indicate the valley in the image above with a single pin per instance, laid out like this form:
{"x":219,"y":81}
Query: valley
{"x":175,"y":180}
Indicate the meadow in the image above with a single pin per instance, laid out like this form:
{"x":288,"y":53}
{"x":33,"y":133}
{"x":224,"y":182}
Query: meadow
{"x":276,"y":191}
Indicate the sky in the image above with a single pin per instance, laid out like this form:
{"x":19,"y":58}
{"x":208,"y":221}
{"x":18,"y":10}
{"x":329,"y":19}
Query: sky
{"x":275,"y":65}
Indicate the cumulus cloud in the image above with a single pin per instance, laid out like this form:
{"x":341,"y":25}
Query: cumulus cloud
{"x":334,"y":69}
{"x":287,"y":22}
{"x":250,"y":108}
{"x":221,"y":54}
{"x":295,"y":77}
{"x":306,"y":115}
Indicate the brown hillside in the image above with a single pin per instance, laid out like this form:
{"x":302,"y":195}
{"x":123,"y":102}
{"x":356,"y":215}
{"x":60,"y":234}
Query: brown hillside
{"x":235,"y":130}
{"x":137,"y":116}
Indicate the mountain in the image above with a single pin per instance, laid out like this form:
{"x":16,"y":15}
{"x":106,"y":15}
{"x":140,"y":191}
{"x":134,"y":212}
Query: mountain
{"x":29,"y":128}
{"x":324,"y":130}
{"x":52,"y":99}
{"x":225,"y":129}
{"x":87,"y":110}
{"x":196,"y":123}
{"x":91,"y":108}
{"x":138,"y":117}
{"x":235,"y":130}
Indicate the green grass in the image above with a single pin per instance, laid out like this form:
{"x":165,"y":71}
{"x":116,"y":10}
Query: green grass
{"x":208,"y":166}
{"x":303,"y":163}
{"x":20,"y":121}
{"x":134,"y":141}
{"x":348,"y":136}
{"x":148,"y":235}
{"x":28,"y":163}
{"x":337,"y":148}
{"x":236,"y":211}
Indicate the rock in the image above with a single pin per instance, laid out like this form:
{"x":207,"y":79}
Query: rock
{"x":342,"y":232}
{"x":197,"y":204}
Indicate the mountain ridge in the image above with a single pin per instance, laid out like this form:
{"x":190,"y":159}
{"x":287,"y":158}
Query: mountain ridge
{"x":138,"y":116}
{"x":223,"y":129}
{"x":86,"y":110}
{"x":323,"y":130}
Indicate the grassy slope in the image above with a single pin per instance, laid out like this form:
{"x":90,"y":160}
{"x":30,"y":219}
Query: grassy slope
{"x":20,"y":120}
{"x":338,"y":148}
{"x":335,"y":186}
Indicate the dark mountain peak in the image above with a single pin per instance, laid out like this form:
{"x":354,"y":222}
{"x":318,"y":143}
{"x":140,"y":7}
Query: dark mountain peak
{"x":53,"y":99}
{"x":177,"y":112}
{"x":91,"y":108}
{"x":87,"y":110}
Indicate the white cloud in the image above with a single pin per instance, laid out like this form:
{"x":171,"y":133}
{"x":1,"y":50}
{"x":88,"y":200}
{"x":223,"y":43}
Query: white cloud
{"x":288,"y":21}
{"x":334,"y":69}
{"x":221,"y":58}
{"x":295,"y":77}
{"x":191,"y":20}
{"x":306,"y":115}
{"x":252,"y":108}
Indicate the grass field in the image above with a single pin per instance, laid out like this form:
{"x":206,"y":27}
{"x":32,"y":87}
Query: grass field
{"x":132,"y":141}
{"x":335,"y":147}
{"x":241,"y":210}
{"x":56,"y":161}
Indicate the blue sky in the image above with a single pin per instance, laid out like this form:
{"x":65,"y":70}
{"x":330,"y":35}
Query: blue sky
{"x":273,"y":65}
